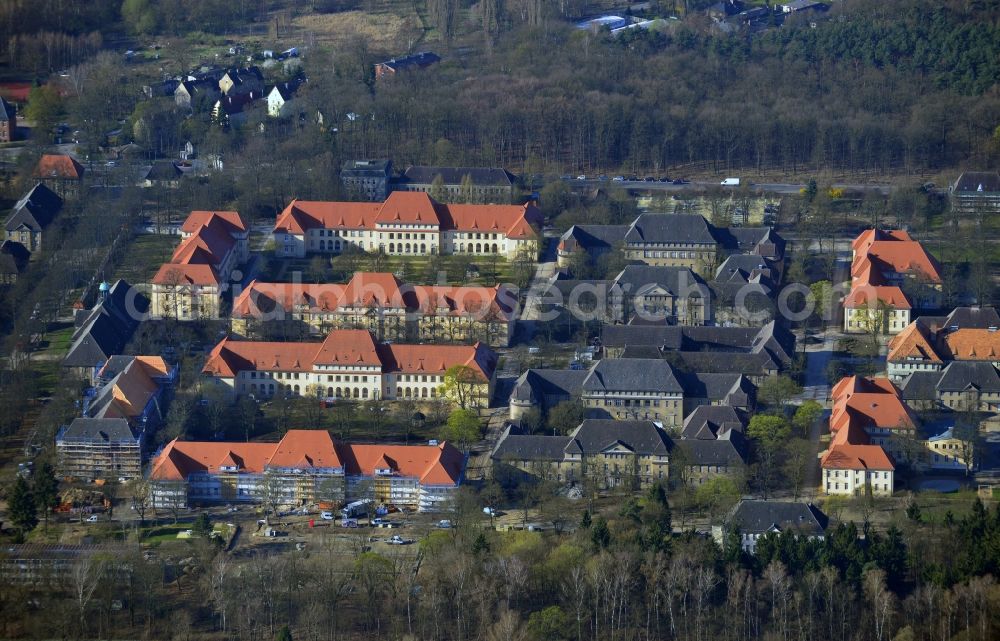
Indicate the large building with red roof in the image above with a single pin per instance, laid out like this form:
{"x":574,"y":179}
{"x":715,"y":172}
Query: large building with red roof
{"x":868,"y":418}
{"x":349,"y":364}
{"x":891,"y":275}
{"x":383,"y":304}
{"x":407,"y":224}
{"x":60,"y":172}
{"x":304,"y":467}
{"x":190,"y":286}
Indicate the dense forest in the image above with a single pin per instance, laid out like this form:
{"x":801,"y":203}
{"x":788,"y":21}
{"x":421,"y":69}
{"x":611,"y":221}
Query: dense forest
{"x":618,"y":575}
{"x":875,"y":87}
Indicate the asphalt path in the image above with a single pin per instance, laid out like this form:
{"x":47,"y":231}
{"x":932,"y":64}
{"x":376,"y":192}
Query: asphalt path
{"x":698,"y":186}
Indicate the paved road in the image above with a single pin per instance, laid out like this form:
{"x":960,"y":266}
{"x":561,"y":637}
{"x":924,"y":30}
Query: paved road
{"x":543,"y":277}
{"x":770,"y":188}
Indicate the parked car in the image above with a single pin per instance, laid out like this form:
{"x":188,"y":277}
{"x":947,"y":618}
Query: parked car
{"x":619,"y":179}
{"x":349,"y":523}
{"x":581,"y":177}
{"x":326,"y":516}
{"x":444,"y":524}
{"x":491,"y":511}
{"x":376,"y":522}
{"x":395,"y":539}
{"x":93,"y":518}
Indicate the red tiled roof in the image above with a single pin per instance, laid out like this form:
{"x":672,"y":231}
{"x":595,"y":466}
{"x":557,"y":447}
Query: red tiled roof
{"x":301,"y":449}
{"x":196,"y":219}
{"x":913,"y":342}
{"x":346,"y":347}
{"x":857,"y":457}
{"x":58,"y":166}
{"x":181,"y":275}
{"x":374,"y":289}
{"x":431,"y":464}
{"x":862,"y":295}
{"x":516,"y":221}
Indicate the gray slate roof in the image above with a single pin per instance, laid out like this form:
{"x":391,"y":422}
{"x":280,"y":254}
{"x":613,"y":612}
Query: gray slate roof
{"x":920,"y":386}
{"x":523,"y":447}
{"x":7,"y":110}
{"x":970,"y":182}
{"x":730,"y":451}
{"x":669,"y":229}
{"x":707,"y":422}
{"x":366,"y":168}
{"x":13,"y":257}
{"x":101,"y":429}
{"x":771,"y":338}
{"x":35,"y":210}
{"x":596,"y":237}
{"x":736,"y":389}
{"x":481,"y":176}
{"x":959,"y":376}
{"x":679,"y":281}
{"x":632,"y":375}
{"x":972,"y":318}
{"x":108,"y":326}
{"x":535,"y":384}
{"x":751,"y":516}
{"x":642,"y":437}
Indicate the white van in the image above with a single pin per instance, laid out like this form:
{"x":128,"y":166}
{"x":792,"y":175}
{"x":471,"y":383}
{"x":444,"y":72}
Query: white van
{"x":730,"y":182}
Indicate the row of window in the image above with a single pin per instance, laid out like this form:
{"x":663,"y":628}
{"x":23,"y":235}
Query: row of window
{"x":669,"y":254}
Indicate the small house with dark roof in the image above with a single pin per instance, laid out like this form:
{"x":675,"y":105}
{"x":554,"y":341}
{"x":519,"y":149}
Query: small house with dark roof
{"x":162,"y":173}
{"x":196,"y":94}
{"x":280,"y":97}
{"x":99,"y":448}
{"x":415,"y":61}
{"x":752,"y":519}
{"x":32,"y":215}
{"x":8,"y":121}
{"x":976,"y":192}
{"x":13,"y":261}
{"x":469,"y":184}
{"x":630,"y":454}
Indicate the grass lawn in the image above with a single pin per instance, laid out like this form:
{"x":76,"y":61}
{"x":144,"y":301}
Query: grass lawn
{"x":144,"y":257}
{"x":163,"y":533}
{"x":417,"y":270}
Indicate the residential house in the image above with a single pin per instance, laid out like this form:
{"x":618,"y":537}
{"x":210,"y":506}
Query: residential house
{"x":31,"y":215}
{"x":55,"y":564}
{"x":384,"y":305}
{"x":609,"y":454}
{"x":162,"y":173}
{"x":947,"y":452}
{"x":304,"y":467}
{"x":891,"y":275}
{"x":8,"y":121}
{"x":864,"y":410}
{"x":632,"y":388}
{"x":240,"y":81}
{"x":190,"y":286}
{"x":929,"y":343}
{"x":460,"y":184}
{"x":688,"y":240}
{"x":14,"y":259}
{"x":796,"y":6}
{"x":976,"y":193}
{"x":60,"y":173}
{"x":196,"y":94}
{"x":367,"y":179}
{"x":744,"y":290}
{"x":407,"y":224}
{"x":279,"y":99}
{"x":592,"y":240}
{"x":673,"y":295}
{"x":394,"y":66}
{"x":105,"y":329}
{"x":349,"y":364}
{"x":752,"y":519}
{"x":89,"y":449}
{"x":232,"y":110}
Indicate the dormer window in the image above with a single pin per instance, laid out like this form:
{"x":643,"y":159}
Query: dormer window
{"x":229,"y":468}
{"x":383,"y":471}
